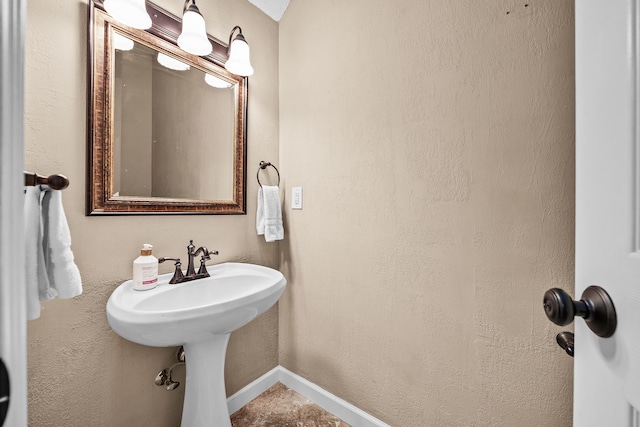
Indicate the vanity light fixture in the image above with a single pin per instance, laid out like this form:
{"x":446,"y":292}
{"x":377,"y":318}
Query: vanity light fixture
{"x":130,"y":12}
{"x":172,"y":63}
{"x":193,"y":38}
{"x":238,"y":51}
{"x":217,"y":82}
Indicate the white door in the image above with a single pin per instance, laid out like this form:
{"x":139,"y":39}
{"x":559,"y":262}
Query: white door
{"x":13,"y":348}
{"x":607,"y":370}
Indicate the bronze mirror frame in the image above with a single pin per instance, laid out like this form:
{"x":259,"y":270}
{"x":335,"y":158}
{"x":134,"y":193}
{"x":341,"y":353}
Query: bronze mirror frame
{"x":162,"y":36}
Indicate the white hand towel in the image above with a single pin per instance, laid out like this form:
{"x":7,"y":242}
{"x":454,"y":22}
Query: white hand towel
{"x":64,"y":276}
{"x":269,"y":215}
{"x":36,"y":279}
{"x":49,"y":268}
{"x":260,"y":213}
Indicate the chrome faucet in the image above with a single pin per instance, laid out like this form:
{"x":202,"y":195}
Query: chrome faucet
{"x":191,"y":274}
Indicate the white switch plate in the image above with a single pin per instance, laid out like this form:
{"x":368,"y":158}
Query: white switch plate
{"x":296,"y":198}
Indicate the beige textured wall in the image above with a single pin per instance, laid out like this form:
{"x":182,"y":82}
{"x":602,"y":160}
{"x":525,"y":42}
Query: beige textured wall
{"x":435,"y":144}
{"x":80,"y":372}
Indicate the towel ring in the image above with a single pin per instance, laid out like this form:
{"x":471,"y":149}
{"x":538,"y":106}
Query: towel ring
{"x":263,"y":165}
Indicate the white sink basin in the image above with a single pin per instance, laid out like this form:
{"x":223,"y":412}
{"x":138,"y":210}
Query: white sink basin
{"x":173,"y":315}
{"x":200,"y":314}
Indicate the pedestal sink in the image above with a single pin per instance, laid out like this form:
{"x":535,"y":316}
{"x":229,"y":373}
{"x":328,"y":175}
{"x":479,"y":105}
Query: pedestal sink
{"x":200,"y":315}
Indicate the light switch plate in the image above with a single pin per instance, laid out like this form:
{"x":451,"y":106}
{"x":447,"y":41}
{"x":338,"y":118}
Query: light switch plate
{"x":296,"y":198}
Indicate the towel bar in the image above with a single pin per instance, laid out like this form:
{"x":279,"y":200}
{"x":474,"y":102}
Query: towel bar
{"x":55,"y":182}
{"x":264,"y":165}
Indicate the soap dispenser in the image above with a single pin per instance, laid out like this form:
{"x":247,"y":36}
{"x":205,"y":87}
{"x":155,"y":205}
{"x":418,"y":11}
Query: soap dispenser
{"x":145,"y":269}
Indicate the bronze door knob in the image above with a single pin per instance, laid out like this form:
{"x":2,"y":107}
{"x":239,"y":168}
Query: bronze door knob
{"x":596,"y":307}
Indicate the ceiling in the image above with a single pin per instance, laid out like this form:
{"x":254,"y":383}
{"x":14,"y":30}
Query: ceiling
{"x":274,"y":8}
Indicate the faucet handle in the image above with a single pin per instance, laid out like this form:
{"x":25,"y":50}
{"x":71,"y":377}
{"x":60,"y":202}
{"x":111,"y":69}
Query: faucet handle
{"x":206,"y":256}
{"x":177,"y":274}
{"x":203,"y":259}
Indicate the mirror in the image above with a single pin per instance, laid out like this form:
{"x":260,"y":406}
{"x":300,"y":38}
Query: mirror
{"x":167,"y":129}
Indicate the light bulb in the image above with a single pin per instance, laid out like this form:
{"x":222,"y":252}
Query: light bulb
{"x":193,"y":38}
{"x":132,"y":13}
{"x":239,"y":61}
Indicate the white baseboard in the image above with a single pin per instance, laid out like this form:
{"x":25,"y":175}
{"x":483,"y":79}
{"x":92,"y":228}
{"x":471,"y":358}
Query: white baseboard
{"x":252,"y":390}
{"x":327,"y":401}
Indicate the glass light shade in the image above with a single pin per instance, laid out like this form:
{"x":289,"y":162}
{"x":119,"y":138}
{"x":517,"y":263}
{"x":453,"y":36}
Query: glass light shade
{"x":238,"y":62}
{"x":121,"y":42}
{"x":194,"y":35}
{"x":172,"y":63}
{"x":129,"y":12}
{"x":216,"y":81}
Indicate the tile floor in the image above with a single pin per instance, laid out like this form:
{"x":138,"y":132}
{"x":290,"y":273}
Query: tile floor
{"x":282,"y":407}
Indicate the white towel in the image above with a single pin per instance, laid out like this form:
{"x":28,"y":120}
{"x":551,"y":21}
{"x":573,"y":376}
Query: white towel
{"x":50,"y":269}
{"x":36,"y":278}
{"x":269,"y":215}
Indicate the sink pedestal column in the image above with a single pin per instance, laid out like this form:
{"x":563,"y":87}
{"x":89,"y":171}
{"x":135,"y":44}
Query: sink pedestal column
{"x":205,"y":398}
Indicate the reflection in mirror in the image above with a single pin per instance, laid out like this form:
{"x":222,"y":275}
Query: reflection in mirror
{"x":173,"y":132}
{"x":168,"y":128}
